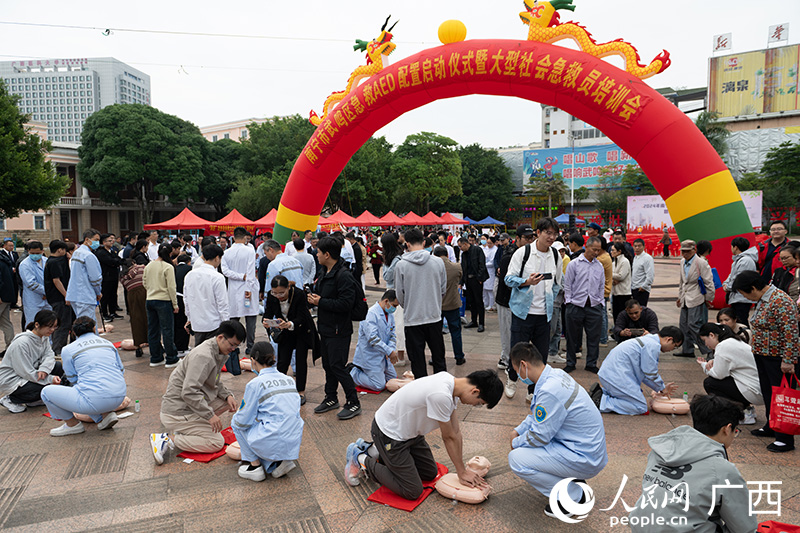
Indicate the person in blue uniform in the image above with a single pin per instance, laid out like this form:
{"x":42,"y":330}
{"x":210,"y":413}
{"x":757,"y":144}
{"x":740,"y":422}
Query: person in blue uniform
{"x":92,"y":366}
{"x":630,"y":364}
{"x":563,"y":437}
{"x":267,"y":425}
{"x":376,"y":351}
{"x":84,"y":290}
{"x":31,"y":271}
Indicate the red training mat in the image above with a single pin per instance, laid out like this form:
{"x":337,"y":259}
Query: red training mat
{"x":118,"y":345}
{"x":387,"y":497}
{"x":229,"y":437}
{"x":368,"y":391}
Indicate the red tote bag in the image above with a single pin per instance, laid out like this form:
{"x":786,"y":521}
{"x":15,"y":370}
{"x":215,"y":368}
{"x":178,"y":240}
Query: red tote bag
{"x":784,"y":416}
{"x":771,"y":526}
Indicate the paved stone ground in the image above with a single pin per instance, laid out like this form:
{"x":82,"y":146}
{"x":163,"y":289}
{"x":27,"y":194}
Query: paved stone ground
{"x":108,"y":480}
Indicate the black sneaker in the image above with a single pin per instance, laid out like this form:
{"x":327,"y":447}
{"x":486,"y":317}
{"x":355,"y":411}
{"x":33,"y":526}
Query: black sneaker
{"x":549,"y":512}
{"x":326,"y":405}
{"x":592,"y":369}
{"x":596,"y":392}
{"x":481,"y":328}
{"x":461,"y":361}
{"x":471,"y":325}
{"x":763,"y":432}
{"x":351,"y":410}
{"x":569,"y":368}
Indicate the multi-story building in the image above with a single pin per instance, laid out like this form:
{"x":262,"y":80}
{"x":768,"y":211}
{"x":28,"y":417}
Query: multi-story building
{"x":63,"y":92}
{"x":236,"y":130}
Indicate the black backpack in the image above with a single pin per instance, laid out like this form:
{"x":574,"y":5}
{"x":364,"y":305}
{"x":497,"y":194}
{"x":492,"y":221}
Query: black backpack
{"x":359,"y":310}
{"x":527,"y":255}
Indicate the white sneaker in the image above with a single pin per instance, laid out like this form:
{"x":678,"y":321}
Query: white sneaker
{"x":64,"y":430}
{"x":160,"y":363}
{"x":352,"y":468}
{"x":108,"y":422}
{"x":183,"y":354}
{"x":749,"y":417}
{"x":256,"y":474}
{"x":529,"y":397}
{"x":159,"y":442}
{"x":511,"y":388}
{"x":284,"y":468}
{"x":6,"y":402}
{"x":558,"y":358}
{"x":578,"y":355}
{"x":171,"y":365}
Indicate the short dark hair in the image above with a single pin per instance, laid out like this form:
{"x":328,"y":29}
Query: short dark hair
{"x":748,"y":281}
{"x":141,"y":243}
{"x":711,"y":413}
{"x":641,"y":241}
{"x":299,"y":243}
{"x":350,"y":235}
{"x":103,"y":236}
{"x":525,"y":351}
{"x":704,"y":247}
{"x":489,"y":385}
{"x":212,"y":251}
{"x":272,"y":244}
{"x":279,"y":281}
{"x":239,"y":232}
{"x":232,"y":328}
{"x":263,"y":353}
{"x":672,"y":331}
{"x":463,"y":239}
{"x":185,"y":237}
{"x":143,"y":235}
{"x":89,"y":233}
{"x":207,"y":240}
{"x":83,"y":325}
{"x":175,"y":244}
{"x":56,"y":245}
{"x":34,"y":245}
{"x":781,"y":222}
{"x":330,"y":245}
{"x":599,"y":240}
{"x":577,"y":238}
{"x":546,"y":223}
{"x":440,"y":251}
{"x":618,"y":232}
{"x":741,"y":243}
{"x":630,"y":304}
{"x":414,"y":236}
{"x":184,"y":258}
{"x":722,"y":331}
{"x":390,"y":295}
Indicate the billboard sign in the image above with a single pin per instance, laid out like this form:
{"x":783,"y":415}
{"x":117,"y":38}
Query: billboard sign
{"x":588,"y":160}
{"x":649,"y":214}
{"x":764,"y":81}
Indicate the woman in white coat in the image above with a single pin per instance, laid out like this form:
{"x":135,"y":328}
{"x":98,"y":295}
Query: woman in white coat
{"x":732,"y":373}
{"x":621,"y":288}
{"x":489,"y":247}
{"x":267,"y":425}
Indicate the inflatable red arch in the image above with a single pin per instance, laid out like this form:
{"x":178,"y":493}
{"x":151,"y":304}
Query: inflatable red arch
{"x":700,"y":193}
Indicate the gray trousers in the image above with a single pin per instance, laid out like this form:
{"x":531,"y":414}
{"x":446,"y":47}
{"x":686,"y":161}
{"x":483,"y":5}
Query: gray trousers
{"x":250,"y":327}
{"x":692,"y":319}
{"x":202,"y":336}
{"x":5,"y":322}
{"x":504,"y":319}
{"x":580,"y":319}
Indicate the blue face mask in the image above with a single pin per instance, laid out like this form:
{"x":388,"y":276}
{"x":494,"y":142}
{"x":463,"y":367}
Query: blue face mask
{"x":391,"y":309}
{"x":35,"y":257}
{"x":483,"y":241}
{"x":525,"y":380}
{"x":95,"y":245}
{"x":429,"y":249}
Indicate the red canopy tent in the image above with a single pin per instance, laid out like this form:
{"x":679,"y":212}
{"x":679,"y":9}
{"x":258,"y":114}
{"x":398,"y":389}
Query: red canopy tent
{"x":184,"y":220}
{"x":431,"y":219}
{"x":447,"y":218}
{"x":340,"y":217}
{"x":267,"y":221}
{"x":413,"y":219}
{"x":367,"y":219}
{"x":390,"y":219}
{"x":231,"y":221}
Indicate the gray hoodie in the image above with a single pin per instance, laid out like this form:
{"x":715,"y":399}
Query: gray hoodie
{"x":26,"y":355}
{"x":420,"y":281}
{"x":690,"y":463}
{"x":746,"y":260}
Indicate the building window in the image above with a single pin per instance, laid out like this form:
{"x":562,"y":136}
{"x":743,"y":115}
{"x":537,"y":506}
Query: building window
{"x":214,"y":138}
{"x":38,"y":222}
{"x":66,"y":221}
{"x":2,"y":223}
{"x":227,"y":135}
{"x":244,"y":134}
{"x":123,"y":220}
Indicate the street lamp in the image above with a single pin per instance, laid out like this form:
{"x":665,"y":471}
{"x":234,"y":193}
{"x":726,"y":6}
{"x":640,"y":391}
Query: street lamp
{"x":571,"y":138}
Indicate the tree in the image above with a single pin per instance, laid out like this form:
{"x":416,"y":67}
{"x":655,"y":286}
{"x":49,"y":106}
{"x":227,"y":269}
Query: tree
{"x":139,"y":149}
{"x":553,"y":187}
{"x":273,"y":144}
{"x":427,"y":168}
{"x":254,"y":196}
{"x":581,"y":194}
{"x":634,"y":182}
{"x":367,"y":182}
{"x":714,"y":131}
{"x":779,"y":178}
{"x":28,"y":181}
{"x":486,"y":183}
{"x":610,"y":197}
{"x":220,"y":172}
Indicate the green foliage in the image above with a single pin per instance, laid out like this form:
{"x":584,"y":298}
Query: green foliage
{"x":581,"y":194}
{"x":714,"y":131}
{"x":486,"y":184}
{"x":255,"y":196}
{"x":428,"y":169}
{"x":553,"y":187}
{"x":27,"y":181}
{"x":367,"y":181}
{"x":139,"y":149}
{"x":634,"y":182}
{"x":220,"y":172}
{"x":779,"y":177}
{"x":273,"y":144}
{"x":610,"y":196}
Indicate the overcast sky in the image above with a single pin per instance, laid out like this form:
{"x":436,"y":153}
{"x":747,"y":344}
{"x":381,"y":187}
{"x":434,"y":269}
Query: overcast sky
{"x":209,"y":80}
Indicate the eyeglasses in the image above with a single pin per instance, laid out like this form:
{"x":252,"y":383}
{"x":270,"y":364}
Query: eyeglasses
{"x":277,"y":294}
{"x":736,"y":432}
{"x":232,"y":344}
{"x":551,"y":234}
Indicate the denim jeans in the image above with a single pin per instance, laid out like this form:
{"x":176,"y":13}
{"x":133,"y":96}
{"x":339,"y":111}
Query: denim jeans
{"x":160,"y":324}
{"x":604,"y":331}
{"x":453,"y":319}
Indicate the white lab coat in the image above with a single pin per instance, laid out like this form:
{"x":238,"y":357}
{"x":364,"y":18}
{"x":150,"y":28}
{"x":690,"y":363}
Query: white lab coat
{"x":237,"y":262}
{"x":32,"y":274}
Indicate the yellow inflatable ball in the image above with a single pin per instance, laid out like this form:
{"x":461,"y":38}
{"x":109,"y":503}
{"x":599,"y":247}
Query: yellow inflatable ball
{"x":452,"y":31}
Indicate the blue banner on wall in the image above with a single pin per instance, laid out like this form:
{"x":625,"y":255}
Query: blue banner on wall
{"x":588,"y":162}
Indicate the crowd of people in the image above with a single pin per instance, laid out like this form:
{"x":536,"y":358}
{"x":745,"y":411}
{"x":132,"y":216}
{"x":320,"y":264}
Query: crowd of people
{"x":544,"y":285}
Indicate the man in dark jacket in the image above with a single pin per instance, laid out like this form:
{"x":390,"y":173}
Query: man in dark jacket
{"x":109,"y":266}
{"x":334,"y":296}
{"x":473,"y":268}
{"x":10,"y":256}
{"x":634,"y":321}
{"x":769,"y":251}
{"x":8,"y":296}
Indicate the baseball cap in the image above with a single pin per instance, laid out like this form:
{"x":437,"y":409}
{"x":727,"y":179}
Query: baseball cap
{"x":504,"y":236}
{"x":595,"y":226}
{"x":558,"y":245}
{"x":688,"y":244}
{"x":524,"y":230}
{"x":7,"y":239}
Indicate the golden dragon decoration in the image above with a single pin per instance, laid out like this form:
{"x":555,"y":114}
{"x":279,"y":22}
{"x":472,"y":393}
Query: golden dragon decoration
{"x":544,"y":25}
{"x":375,"y":49}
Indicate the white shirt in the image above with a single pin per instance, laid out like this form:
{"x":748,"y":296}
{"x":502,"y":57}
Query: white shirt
{"x":417,"y":408}
{"x":189,"y":249}
{"x":643,"y":273}
{"x":347,"y":252}
{"x":205,"y":298}
{"x":237,"y":262}
{"x":543,"y":262}
{"x":152,"y":251}
{"x":734,"y":358}
{"x":290,"y":249}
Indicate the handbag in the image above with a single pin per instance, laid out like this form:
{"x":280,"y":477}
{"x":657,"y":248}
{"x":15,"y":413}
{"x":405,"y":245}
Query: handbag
{"x":784,"y":415}
{"x":773,"y":526}
{"x":232,"y":365}
{"x":275,"y":334}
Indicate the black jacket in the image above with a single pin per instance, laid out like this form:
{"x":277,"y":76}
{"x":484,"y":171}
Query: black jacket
{"x":337,"y":291}
{"x":358,"y":266}
{"x":8,"y":291}
{"x":109,"y":263}
{"x":504,"y":291}
{"x":298,"y":313}
{"x":648,"y":321}
{"x":473,"y":264}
